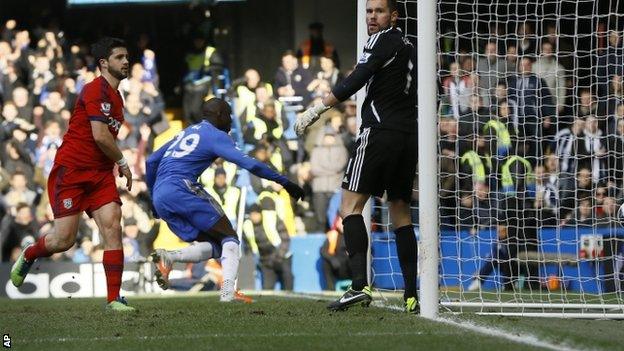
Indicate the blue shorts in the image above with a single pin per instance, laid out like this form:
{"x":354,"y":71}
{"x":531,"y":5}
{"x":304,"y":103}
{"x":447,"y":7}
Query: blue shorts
{"x":186,"y":207}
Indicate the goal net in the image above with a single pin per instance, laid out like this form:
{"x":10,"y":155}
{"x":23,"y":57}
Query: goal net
{"x":530,"y":158}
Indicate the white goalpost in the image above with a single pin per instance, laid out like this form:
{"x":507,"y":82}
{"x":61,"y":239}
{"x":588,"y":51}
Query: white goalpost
{"x":521,"y":159}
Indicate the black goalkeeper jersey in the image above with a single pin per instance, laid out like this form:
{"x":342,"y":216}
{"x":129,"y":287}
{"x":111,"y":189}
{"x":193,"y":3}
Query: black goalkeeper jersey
{"x":388,"y":68}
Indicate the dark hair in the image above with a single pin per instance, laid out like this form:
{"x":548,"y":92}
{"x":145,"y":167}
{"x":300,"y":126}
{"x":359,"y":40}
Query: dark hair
{"x":21,"y":205}
{"x":392,"y":5}
{"x":289,"y":53}
{"x":103,"y":48}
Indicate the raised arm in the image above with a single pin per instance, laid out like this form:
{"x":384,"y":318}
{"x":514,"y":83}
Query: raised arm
{"x":379,"y":49}
{"x":225,"y":148}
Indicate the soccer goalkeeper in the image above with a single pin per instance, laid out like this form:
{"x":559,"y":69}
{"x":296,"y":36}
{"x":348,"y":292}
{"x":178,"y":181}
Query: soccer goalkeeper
{"x":386,"y":152}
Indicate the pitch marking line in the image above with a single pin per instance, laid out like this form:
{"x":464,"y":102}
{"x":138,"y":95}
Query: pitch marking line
{"x":518,"y":337}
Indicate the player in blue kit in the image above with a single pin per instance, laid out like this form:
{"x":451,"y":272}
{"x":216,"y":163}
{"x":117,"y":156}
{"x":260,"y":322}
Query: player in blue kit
{"x":193,"y":215}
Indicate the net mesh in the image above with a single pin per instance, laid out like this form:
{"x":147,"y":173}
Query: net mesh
{"x":530,"y":157}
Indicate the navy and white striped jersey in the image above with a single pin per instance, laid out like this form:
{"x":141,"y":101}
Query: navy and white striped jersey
{"x":388,"y":69}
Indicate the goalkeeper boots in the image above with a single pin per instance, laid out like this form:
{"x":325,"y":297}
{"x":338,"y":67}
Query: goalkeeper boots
{"x":412,"y":305}
{"x":163,"y":267}
{"x":352,"y":297}
{"x":20,"y":269}
{"x":120,"y":304}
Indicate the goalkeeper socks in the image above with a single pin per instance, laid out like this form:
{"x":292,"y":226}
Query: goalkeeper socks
{"x":407,"y":251}
{"x":37,"y":250}
{"x":196,"y":252}
{"x":356,"y":241}
{"x":113,"y":268}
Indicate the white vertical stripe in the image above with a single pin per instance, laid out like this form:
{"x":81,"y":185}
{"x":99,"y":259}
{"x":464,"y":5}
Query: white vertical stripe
{"x":357,"y":169}
{"x":375,"y":111}
{"x":357,"y":158}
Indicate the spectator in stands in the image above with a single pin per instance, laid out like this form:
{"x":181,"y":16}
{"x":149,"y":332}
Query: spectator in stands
{"x":583,"y":214}
{"x":552,"y":73}
{"x":547,"y":190}
{"x":18,"y":191}
{"x":535,"y":110}
{"x":596,"y":148}
{"x":204,"y":64}
{"x":153,"y":103}
{"x":458,"y":88}
{"x":246,"y":90}
{"x":587,"y":104}
{"x":53,"y":105}
{"x":265,"y":122}
{"x":227,"y":196}
{"x":131,"y":211}
{"x":328,"y":161}
{"x":326,"y":78}
{"x":21,"y":99}
{"x":266,"y":235}
{"x":334,"y":256}
{"x":526,"y":40}
{"x":609,"y":62}
{"x":16,"y":159}
{"x":510,"y":65}
{"x":449,"y":148}
{"x":292,"y":80}
{"x":581,"y":190}
{"x":130,"y":241}
{"x":312,"y":49}
{"x":489,"y":70}
{"x":472,"y":122}
{"x":616,"y":155}
{"x":14,"y":229}
{"x":610,"y":106}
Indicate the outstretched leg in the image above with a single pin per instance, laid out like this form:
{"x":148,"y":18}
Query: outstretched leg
{"x":64,"y":237}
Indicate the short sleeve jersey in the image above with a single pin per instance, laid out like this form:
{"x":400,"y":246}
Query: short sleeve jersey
{"x":98,"y":101}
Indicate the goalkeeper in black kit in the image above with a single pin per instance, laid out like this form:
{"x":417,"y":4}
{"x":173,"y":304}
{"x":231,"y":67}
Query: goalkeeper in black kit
{"x":385,"y":156}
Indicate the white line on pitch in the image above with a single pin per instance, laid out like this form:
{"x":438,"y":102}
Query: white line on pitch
{"x":515,"y":336}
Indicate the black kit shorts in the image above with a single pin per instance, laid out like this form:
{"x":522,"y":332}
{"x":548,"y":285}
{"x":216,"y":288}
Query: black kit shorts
{"x":383,"y":160}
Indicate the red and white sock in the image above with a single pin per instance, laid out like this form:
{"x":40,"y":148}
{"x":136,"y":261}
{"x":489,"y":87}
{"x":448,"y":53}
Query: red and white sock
{"x":113,"y":262}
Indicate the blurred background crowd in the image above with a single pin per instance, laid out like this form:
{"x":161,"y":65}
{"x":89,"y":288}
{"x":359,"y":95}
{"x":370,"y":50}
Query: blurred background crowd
{"x":521,"y":136}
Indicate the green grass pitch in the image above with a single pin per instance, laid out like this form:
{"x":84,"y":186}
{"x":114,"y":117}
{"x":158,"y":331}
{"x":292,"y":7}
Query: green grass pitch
{"x":200,"y":322}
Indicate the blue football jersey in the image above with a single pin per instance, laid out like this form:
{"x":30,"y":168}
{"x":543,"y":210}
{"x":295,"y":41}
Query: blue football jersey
{"x":193,"y":150}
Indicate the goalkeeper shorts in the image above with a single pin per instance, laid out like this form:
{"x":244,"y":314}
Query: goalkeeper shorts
{"x":383,"y":160}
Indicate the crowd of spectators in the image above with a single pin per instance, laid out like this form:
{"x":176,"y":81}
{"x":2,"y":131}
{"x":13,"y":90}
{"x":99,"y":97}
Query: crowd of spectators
{"x":41,"y":76}
{"x":524,"y":133}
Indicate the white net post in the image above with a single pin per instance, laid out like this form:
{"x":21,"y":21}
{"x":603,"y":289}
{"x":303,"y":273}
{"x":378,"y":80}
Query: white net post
{"x":362,"y":37}
{"x":427,"y":158}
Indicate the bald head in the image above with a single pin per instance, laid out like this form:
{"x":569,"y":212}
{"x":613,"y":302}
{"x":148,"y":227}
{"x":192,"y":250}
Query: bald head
{"x":217,"y":112}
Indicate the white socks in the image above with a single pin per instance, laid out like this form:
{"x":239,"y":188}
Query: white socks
{"x":229,"y":266}
{"x":196,"y":252}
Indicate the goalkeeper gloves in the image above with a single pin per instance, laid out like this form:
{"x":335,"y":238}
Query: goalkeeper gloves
{"x":308,"y":118}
